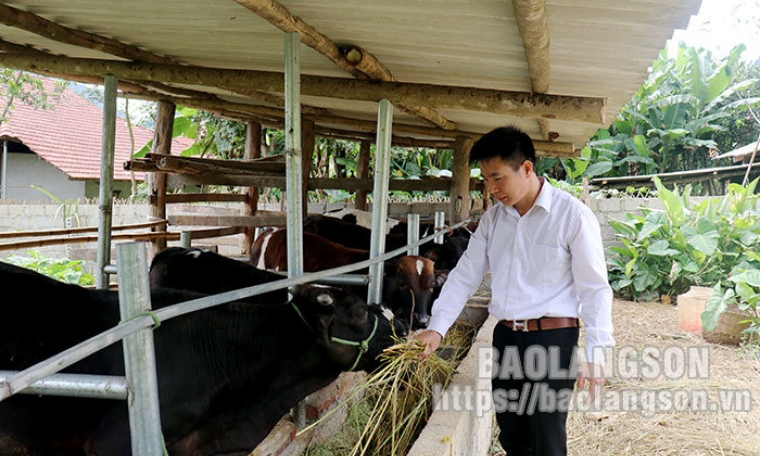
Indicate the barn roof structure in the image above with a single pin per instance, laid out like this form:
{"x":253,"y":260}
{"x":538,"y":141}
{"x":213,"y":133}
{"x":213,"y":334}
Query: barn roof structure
{"x":69,"y":137}
{"x":559,"y":69}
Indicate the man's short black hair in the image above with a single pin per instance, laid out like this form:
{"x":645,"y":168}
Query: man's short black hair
{"x":510,"y":143}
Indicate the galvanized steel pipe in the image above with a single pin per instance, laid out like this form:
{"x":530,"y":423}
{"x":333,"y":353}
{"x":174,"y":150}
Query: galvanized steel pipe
{"x":139,"y":354}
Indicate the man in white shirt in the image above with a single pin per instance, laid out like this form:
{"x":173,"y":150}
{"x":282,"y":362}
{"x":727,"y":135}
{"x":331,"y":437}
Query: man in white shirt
{"x":544,"y":250}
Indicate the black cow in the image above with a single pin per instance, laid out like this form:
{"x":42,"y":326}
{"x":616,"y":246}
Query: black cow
{"x":226,"y":375}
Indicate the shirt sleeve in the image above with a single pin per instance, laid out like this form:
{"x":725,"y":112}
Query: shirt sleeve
{"x":589,"y":270}
{"x":463,"y":281}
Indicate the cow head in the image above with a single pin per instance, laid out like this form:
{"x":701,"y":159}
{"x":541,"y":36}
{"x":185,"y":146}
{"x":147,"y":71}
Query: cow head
{"x":410,"y":290}
{"x":210,"y":273}
{"x":353,"y":333}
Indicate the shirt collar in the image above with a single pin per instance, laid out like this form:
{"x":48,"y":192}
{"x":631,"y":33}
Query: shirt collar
{"x":544,"y":199}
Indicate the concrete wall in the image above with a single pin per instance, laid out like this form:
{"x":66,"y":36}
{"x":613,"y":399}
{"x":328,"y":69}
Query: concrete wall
{"x":37,"y":215}
{"x":462,"y":432}
{"x":615,"y":209}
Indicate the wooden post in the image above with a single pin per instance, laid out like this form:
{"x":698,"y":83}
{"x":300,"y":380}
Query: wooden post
{"x":308,"y":140}
{"x":162,"y":144}
{"x":362,"y":172}
{"x":252,"y":151}
{"x":460,"y":183}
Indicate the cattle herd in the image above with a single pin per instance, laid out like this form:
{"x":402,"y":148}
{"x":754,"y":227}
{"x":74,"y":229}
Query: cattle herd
{"x":228,"y":374}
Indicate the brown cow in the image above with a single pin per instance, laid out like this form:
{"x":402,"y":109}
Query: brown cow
{"x":407,"y":286}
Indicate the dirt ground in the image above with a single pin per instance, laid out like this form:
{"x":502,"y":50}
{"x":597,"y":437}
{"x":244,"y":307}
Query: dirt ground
{"x":672,"y":393}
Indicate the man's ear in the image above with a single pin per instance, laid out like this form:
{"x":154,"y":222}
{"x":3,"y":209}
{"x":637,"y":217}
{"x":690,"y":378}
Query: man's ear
{"x":527,"y":166}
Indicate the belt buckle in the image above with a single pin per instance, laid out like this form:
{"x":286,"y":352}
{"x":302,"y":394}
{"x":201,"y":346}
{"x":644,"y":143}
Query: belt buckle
{"x":518,"y":325}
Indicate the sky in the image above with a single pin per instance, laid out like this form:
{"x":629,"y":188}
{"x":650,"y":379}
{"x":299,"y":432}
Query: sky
{"x":722,"y":24}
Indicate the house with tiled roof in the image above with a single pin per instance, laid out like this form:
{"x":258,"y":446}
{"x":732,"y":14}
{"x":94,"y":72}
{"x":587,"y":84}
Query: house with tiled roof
{"x":59,"y":149}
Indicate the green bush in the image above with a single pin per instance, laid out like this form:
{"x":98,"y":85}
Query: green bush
{"x":63,"y":269}
{"x":666,"y":251}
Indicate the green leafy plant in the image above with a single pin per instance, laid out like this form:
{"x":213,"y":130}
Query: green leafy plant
{"x":742,"y":291}
{"x":687,"y":243}
{"x":63,"y":269}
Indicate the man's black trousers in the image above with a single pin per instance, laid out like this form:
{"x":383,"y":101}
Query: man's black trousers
{"x":531,"y":425}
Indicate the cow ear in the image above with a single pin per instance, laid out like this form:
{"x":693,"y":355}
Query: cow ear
{"x":315,"y":294}
{"x":440,"y":278}
{"x":324,"y":297}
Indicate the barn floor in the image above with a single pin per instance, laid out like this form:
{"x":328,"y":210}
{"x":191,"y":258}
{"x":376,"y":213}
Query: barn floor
{"x":732,"y":429}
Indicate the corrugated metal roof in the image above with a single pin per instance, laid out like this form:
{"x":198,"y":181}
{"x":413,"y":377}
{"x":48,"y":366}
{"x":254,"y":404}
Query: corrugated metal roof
{"x":598,"y":48}
{"x":69,"y":135}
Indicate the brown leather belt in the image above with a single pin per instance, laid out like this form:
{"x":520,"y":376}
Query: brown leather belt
{"x":539,"y":324}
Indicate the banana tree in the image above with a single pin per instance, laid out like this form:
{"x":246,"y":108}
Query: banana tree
{"x":671,"y":122}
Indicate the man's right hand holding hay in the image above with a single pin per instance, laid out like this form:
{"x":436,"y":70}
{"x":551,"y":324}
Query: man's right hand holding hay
{"x":431,"y":340}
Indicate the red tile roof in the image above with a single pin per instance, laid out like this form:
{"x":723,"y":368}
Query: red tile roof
{"x":69,"y":135}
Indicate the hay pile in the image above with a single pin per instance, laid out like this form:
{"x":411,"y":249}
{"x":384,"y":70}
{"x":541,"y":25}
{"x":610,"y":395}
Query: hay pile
{"x":673,"y":433}
{"x":397,"y":399}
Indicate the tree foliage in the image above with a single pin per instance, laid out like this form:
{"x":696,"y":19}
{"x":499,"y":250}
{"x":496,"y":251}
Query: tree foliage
{"x":27,"y":88}
{"x":690,"y":106}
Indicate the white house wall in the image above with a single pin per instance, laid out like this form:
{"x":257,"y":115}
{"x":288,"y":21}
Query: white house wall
{"x":25,"y":170}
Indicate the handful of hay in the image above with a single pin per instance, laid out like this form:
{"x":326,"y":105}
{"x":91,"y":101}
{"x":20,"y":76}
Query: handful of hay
{"x":398,"y":398}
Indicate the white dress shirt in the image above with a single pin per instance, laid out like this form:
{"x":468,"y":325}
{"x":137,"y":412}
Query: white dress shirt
{"x":548,"y":263}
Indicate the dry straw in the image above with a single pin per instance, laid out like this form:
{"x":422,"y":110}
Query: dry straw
{"x":398,"y":398}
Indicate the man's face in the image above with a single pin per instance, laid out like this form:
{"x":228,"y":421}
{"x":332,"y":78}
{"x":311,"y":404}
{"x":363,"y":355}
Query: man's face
{"x":508,"y":185}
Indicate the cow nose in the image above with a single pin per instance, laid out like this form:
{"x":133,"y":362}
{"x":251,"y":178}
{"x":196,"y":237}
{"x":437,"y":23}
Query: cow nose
{"x":422,"y":320}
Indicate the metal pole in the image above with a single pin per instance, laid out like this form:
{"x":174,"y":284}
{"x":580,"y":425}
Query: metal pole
{"x":106,"y":181}
{"x":139,"y":355}
{"x":294,"y":173}
{"x":4,"y":171}
{"x":76,"y":385}
{"x":413,"y":232}
{"x":379,"y":198}
{"x":185,"y":239}
{"x":440,"y":223}
{"x":293,"y":152}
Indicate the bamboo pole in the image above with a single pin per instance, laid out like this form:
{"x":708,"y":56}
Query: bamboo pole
{"x":78,"y":230}
{"x":108,"y":150}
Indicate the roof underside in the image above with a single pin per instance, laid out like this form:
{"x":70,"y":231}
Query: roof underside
{"x":597,"y":56}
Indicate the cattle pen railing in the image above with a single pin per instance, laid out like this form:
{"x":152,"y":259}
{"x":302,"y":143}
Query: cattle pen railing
{"x":139,"y":386}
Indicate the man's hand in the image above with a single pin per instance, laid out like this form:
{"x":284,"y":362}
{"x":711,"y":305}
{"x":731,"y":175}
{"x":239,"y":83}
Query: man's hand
{"x":431,"y":340}
{"x":593,"y":374}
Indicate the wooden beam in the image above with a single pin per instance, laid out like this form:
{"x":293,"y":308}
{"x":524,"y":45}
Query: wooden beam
{"x":32,"y":23}
{"x":517,"y":104}
{"x":174,"y":198}
{"x":534,"y":30}
{"x":228,"y":220}
{"x":362,"y":172}
{"x":347,"y":184}
{"x":363,"y":67}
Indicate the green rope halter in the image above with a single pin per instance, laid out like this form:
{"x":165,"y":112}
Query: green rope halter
{"x":362,"y":345}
